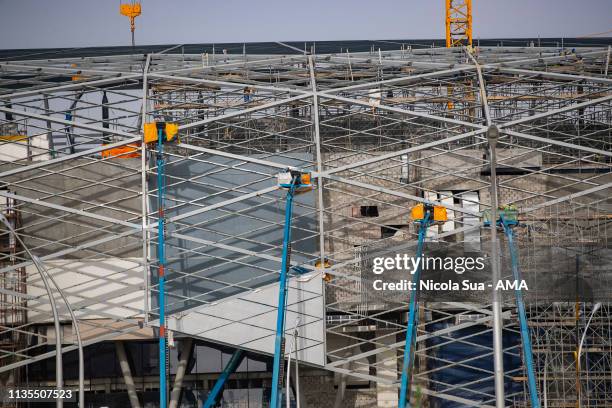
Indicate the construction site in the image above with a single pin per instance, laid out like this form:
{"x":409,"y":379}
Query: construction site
{"x":190,"y":226}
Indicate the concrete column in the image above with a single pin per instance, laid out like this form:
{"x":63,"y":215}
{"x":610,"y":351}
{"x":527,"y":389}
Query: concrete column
{"x":186,"y":352}
{"x":341,"y":388}
{"x":341,"y":381}
{"x":386,"y":395}
{"x":7,"y":380}
{"x":127,"y":374}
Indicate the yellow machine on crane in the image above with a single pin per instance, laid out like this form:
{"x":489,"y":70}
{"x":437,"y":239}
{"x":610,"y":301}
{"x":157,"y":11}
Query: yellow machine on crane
{"x":131,"y":11}
{"x":458,"y":23}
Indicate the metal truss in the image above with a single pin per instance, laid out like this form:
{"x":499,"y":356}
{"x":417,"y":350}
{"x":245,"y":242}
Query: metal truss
{"x":381,"y":131}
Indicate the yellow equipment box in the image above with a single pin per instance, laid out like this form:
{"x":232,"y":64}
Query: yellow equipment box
{"x":418,"y":212}
{"x":171,"y":131}
{"x":150,"y":132}
{"x":439,"y":214}
{"x":305,"y":179}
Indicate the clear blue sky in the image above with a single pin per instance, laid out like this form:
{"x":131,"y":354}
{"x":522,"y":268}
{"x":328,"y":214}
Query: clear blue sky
{"x":79,"y":23}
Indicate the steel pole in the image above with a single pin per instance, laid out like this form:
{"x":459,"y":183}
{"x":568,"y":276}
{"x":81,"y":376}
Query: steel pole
{"x":291,"y":350}
{"x":317,"y":139}
{"x":607,"y":61}
{"x":298,"y":396}
{"x":145,"y":195}
{"x":498,"y":350}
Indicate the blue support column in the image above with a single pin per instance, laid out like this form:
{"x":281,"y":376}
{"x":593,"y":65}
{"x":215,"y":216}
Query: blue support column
{"x":163,"y":399}
{"x":412,"y":313}
{"x":526,"y":339}
{"x":231,"y":366}
{"x":282,"y":298}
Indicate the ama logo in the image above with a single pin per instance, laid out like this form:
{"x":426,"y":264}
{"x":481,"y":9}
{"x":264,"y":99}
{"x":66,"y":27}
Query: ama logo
{"x":511,"y":285}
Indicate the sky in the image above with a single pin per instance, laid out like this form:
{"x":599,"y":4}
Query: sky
{"x":83,"y":23}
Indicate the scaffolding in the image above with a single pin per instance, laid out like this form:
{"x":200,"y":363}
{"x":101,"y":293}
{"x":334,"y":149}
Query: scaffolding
{"x":380,"y":132}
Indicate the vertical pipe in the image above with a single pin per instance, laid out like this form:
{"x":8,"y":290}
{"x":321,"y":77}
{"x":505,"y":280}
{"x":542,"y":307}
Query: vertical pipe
{"x":348,"y":57}
{"x":9,"y":115}
{"x":28,"y":142}
{"x":163,"y":401}
{"x":69,"y":137}
{"x":288,"y":379}
{"x":105,"y":118}
{"x":127,"y":374}
{"x":132,"y":30}
{"x":69,"y":116}
{"x":298,"y":395}
{"x":49,"y":126}
{"x":144,"y":194}
{"x":292,"y":349}
{"x":317,"y":140}
{"x":527,"y":349}
{"x":412,"y":315}
{"x":498,"y":350}
{"x":279,"y":352}
{"x":607,"y":61}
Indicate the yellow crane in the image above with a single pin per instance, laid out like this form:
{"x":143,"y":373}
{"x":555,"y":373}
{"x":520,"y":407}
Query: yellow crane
{"x":458,"y":23}
{"x":131,"y":10}
{"x":458,"y":31}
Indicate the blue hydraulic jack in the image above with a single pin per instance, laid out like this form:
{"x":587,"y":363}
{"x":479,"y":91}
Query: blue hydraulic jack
{"x":160,"y":133}
{"x":293,"y":181}
{"x":508,"y":220}
{"x":424,"y":220}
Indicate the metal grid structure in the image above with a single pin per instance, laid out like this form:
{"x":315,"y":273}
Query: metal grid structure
{"x":381,"y":131}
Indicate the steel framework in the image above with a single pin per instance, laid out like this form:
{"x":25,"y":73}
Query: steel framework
{"x":378,"y":130}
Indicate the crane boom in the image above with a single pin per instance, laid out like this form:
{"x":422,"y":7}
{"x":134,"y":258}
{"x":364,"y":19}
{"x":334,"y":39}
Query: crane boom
{"x":458,"y":23}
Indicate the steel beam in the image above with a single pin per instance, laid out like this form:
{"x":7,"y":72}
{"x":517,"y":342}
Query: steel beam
{"x":69,"y":210}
